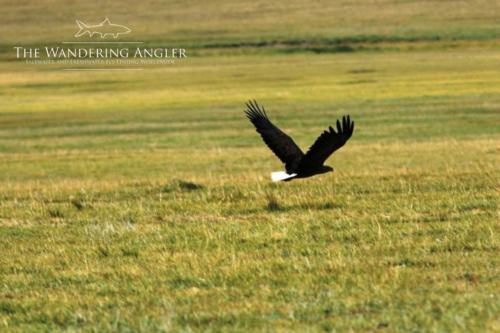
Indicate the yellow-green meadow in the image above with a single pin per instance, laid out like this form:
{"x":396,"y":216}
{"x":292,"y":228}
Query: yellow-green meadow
{"x":142,"y":200}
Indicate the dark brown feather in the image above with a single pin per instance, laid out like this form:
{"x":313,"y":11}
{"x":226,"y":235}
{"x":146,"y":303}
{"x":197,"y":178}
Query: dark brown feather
{"x":280,"y":143}
{"x":326,"y":144}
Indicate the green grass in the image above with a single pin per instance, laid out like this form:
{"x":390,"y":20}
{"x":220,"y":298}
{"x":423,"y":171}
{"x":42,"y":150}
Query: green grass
{"x":143,"y":201}
{"x":199,"y":23}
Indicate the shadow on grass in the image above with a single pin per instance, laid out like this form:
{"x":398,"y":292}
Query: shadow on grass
{"x":182,"y":185}
{"x":272,"y":204}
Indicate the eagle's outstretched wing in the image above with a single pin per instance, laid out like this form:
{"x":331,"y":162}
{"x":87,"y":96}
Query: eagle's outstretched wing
{"x":280,"y":143}
{"x":327,"y":143}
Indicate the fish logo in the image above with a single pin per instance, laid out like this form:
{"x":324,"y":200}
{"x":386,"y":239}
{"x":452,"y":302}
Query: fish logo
{"x":105,"y":28}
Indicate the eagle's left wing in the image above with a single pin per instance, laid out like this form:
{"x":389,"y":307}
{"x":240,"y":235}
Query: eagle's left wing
{"x":281,"y":144}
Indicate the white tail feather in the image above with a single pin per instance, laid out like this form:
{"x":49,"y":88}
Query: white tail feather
{"x":281,"y":175}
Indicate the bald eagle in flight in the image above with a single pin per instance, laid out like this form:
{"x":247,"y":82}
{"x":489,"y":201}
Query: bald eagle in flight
{"x":298,"y":164}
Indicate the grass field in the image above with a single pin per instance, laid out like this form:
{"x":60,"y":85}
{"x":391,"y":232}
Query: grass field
{"x":142,"y":201}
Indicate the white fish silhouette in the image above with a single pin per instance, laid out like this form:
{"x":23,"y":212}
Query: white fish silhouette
{"x":105,"y":28}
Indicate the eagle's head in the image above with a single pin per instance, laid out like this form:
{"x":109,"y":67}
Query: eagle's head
{"x":326,"y":169}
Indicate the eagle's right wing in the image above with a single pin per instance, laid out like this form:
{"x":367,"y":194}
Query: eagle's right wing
{"x":327,"y":143}
{"x":280,"y":143}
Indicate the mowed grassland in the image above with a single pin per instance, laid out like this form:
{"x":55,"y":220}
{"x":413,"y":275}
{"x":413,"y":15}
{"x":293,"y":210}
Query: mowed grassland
{"x":142,"y":201}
